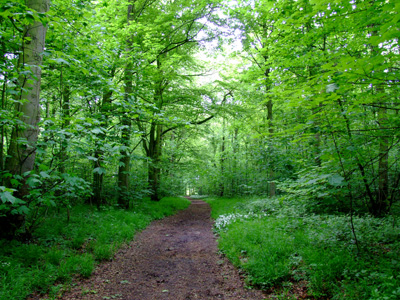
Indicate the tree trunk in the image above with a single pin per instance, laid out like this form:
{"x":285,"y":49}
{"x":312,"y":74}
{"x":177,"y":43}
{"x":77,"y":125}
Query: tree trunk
{"x":271,"y":173}
{"x":22,"y":149}
{"x":155,"y":137}
{"x":124,"y":162}
{"x":154,"y":155}
{"x":222,"y":162}
{"x":99,"y":153}
{"x":65,"y":108}
{"x":383,"y":167}
{"x":3,"y":102}
{"x":235,"y":149}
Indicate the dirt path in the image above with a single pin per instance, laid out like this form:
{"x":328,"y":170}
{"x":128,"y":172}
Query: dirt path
{"x":174,"y":258}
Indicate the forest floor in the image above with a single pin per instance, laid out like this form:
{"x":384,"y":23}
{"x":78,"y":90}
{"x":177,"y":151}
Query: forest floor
{"x":174,"y":258}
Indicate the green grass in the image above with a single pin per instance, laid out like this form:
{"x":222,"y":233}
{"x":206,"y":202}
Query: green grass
{"x":276,"y":242}
{"x":223,"y":206}
{"x":61,"y":250}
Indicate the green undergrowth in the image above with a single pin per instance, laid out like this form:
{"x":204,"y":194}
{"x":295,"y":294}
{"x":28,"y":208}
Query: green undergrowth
{"x":278,"y":243}
{"x":61,"y":249}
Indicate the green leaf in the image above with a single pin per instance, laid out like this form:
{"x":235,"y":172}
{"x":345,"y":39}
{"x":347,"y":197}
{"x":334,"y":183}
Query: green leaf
{"x":33,"y":182}
{"x":44,"y":175}
{"x":99,"y":170}
{"x":61,"y":61}
{"x":92,"y":158}
{"x":23,"y":210}
{"x":6,"y":196}
{"x":97,"y":130}
{"x":336,"y":180}
{"x":15,"y":182}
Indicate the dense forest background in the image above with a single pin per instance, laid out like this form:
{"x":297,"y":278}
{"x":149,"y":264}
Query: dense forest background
{"x":109,"y":102}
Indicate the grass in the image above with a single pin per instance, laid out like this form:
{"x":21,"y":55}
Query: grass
{"x":62,"y":250}
{"x":277,"y":243}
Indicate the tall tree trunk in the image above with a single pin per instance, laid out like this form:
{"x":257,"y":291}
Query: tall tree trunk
{"x":222,"y":162}
{"x":235,"y":149}
{"x":22,"y":149}
{"x":65,"y":108}
{"x":154,"y":155}
{"x":155,"y":138}
{"x":3,"y":103}
{"x":99,"y":153}
{"x":383,"y":165}
{"x":124,"y":166}
{"x":271,"y":172}
{"x":124,"y":163}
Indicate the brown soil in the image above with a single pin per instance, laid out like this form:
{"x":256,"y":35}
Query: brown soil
{"x":174,"y":258}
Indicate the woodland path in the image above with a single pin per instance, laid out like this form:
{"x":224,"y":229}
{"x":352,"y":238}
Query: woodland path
{"x":174,"y":258}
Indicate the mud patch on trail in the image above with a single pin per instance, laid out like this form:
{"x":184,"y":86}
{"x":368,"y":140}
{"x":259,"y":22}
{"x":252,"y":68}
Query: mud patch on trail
{"x":174,"y":258}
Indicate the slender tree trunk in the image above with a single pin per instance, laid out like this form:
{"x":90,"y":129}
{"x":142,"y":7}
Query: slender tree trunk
{"x":316,"y":143}
{"x":65,"y":108}
{"x":246,"y":165}
{"x":154,"y":170}
{"x":222,"y":162}
{"x":98,"y":177}
{"x":383,"y":166}
{"x":271,"y":175}
{"x":155,"y":139}
{"x":124,"y":163}
{"x":97,"y":180}
{"x":235,"y":174}
{"x":3,"y":102}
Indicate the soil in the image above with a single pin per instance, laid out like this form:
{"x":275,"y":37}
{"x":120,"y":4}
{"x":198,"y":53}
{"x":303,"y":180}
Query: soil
{"x":174,"y":258}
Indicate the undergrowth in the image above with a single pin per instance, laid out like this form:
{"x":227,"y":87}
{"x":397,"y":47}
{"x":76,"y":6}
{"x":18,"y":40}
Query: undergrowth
{"x":278,"y":242}
{"x":61,"y":249}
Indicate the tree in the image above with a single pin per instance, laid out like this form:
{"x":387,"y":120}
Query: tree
{"x":166,"y":72}
{"x":22,"y":149}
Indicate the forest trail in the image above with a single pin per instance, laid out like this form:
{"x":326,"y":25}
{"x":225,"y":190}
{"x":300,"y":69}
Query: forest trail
{"x":174,"y":258}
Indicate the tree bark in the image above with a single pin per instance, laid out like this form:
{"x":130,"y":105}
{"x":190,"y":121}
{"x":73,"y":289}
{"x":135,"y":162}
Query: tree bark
{"x":22,"y":149}
{"x":235,"y":150}
{"x":124,"y":162}
{"x":155,"y":137}
{"x":154,"y":155}
{"x":65,"y":108}
{"x":99,"y":153}
{"x":3,"y":102}
{"x":271,"y":173}
{"x":222,"y":162}
{"x":382,"y":204}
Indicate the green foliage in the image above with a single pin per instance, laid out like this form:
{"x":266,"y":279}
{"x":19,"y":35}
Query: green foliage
{"x":262,"y":249}
{"x":306,"y":107}
{"x":61,"y":250}
{"x":275,"y":240}
{"x":10,"y":204}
